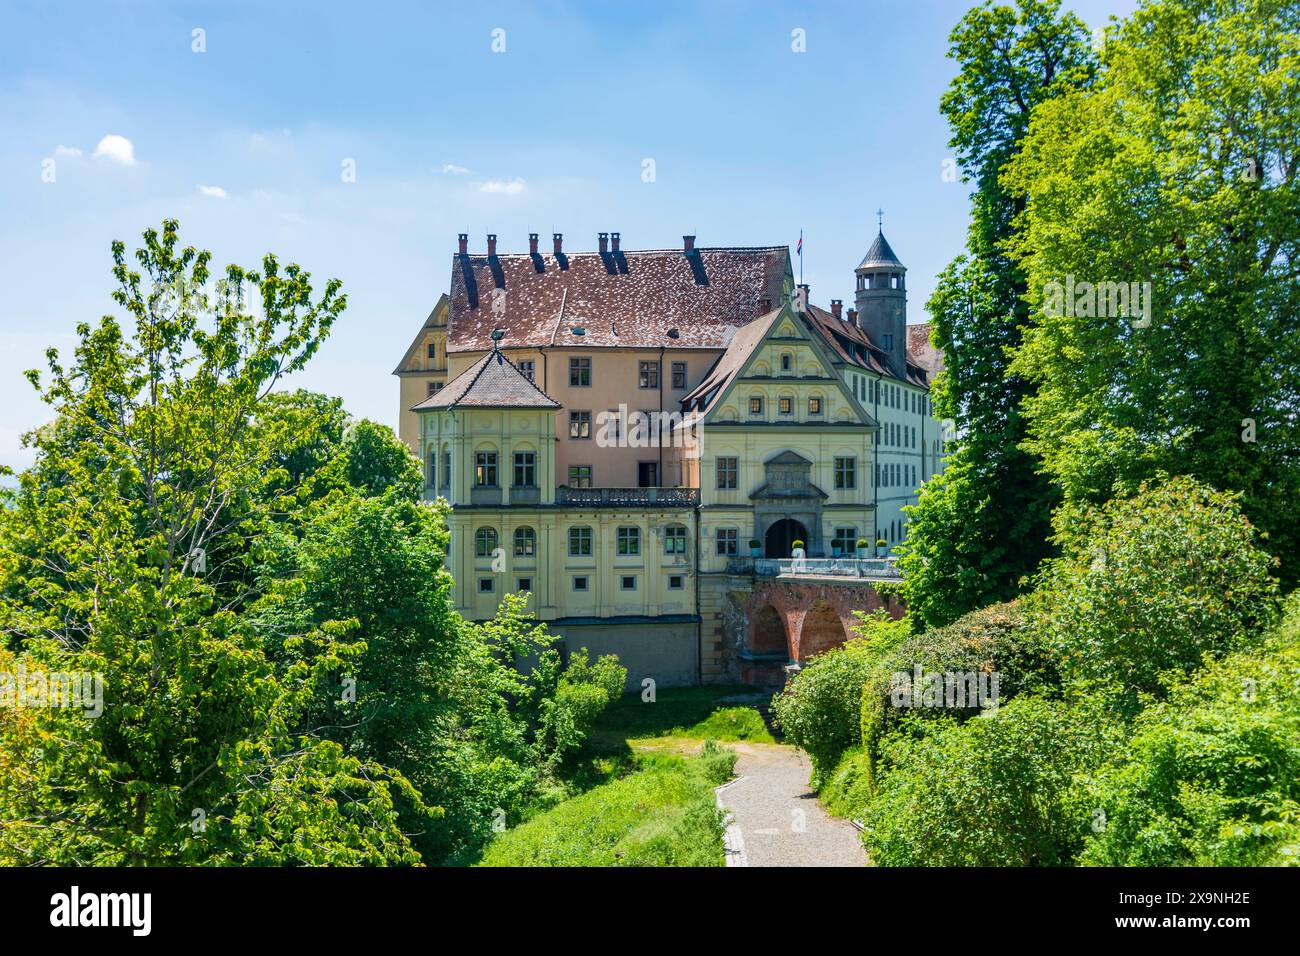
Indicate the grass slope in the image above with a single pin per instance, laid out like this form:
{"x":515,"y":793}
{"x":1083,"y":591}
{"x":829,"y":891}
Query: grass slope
{"x":662,"y":814}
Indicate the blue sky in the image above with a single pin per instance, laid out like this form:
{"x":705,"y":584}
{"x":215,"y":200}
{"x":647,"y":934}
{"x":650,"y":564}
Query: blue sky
{"x":244,"y":144}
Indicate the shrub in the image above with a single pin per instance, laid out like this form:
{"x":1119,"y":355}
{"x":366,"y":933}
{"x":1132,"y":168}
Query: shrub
{"x":993,"y":791}
{"x":1211,"y":776}
{"x":584,"y":690}
{"x":994,"y":640}
{"x":819,"y":709}
{"x":848,"y":789}
{"x":1154,"y":582}
{"x":718,"y":763}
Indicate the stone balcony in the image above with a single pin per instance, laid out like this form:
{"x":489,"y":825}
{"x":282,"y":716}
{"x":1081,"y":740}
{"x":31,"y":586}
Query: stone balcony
{"x":875,"y":568}
{"x":628,"y":497}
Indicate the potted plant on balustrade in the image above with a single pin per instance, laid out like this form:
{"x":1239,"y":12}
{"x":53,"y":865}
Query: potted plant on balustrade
{"x":755,"y":548}
{"x":882,"y":547}
{"x":862,"y":548}
{"x":795,"y":545}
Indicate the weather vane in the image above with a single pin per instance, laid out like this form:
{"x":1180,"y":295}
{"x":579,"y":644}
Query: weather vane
{"x":880,"y":219}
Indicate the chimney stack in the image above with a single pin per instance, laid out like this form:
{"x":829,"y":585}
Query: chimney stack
{"x":801,"y":298}
{"x":604,"y":242}
{"x":853,"y":316}
{"x":463,"y":238}
{"x":836,"y":306}
{"x":492,"y":245}
{"x":764,"y":305}
{"x":558,"y":238}
{"x":688,"y":244}
{"x":532,"y":243}
{"x":613,"y":241}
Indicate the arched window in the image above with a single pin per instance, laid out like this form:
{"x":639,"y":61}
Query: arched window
{"x":485,"y":542}
{"x":525,"y":542}
{"x":431,"y":472}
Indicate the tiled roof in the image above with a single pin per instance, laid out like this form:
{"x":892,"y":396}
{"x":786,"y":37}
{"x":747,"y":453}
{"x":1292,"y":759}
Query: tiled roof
{"x":920,"y":351}
{"x":629,"y":299}
{"x":850,"y":344}
{"x":879,"y":255}
{"x":729,"y":364}
{"x":491,"y":382}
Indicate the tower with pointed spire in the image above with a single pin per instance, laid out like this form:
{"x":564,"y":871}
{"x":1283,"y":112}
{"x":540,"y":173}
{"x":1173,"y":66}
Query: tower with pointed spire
{"x":881,"y":300}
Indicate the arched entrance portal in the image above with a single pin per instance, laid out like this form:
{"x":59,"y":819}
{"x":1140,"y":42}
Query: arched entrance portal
{"x":781,"y":536}
{"x":769,"y":634}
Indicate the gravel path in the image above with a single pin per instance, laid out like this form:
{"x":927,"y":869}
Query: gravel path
{"x":776,"y":819}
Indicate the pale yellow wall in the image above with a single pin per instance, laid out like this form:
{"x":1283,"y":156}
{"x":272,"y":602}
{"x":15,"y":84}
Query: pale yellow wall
{"x":419,"y":373}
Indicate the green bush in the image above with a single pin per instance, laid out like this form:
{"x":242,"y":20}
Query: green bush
{"x":993,"y":791}
{"x":995,"y":640}
{"x":1153,"y":583}
{"x":1211,"y":776}
{"x":662,"y":815}
{"x":718,"y":763}
{"x":584,"y":690}
{"x":819,"y":709}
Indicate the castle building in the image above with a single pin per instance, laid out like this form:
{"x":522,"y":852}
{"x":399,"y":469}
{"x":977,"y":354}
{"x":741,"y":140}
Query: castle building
{"x":617,"y":431}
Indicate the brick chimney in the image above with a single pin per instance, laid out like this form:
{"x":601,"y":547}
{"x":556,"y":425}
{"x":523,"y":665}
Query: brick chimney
{"x":688,"y":244}
{"x":837,"y":305}
{"x":492,"y":244}
{"x":463,"y":238}
{"x":853,"y":316}
{"x":558,"y":239}
{"x":801,"y":298}
{"x":603,"y":238}
{"x":532,"y":243}
{"x":764,"y":305}
{"x":613,"y":241}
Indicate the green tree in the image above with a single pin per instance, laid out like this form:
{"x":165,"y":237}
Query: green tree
{"x":980,"y":528}
{"x":127,"y":552}
{"x":1178,"y":170}
{"x":1153,"y":583}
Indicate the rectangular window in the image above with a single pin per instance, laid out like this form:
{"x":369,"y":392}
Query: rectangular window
{"x":528,"y":368}
{"x":647,"y":474}
{"x":525,"y":469}
{"x":785,"y":405}
{"x":525,"y":584}
{"x":580,"y":541}
{"x":676,"y":582}
{"x":580,"y":425}
{"x":846,"y":473}
{"x":486,"y":585}
{"x":580,"y":476}
{"x":629,"y":541}
{"x":580,"y":582}
{"x":446,"y":472}
{"x":756,"y":405}
{"x":728,"y":473}
{"x":431,"y":389}
{"x":579,"y":373}
{"x":431,"y":350}
{"x":627,"y":582}
{"x":846,"y":539}
{"x":485,"y":469}
{"x":679,"y":375}
{"x":675,"y":539}
{"x":728,"y":541}
{"x":648,"y":374}
{"x":814,"y":406}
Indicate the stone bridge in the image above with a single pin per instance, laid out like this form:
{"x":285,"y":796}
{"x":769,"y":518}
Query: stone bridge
{"x":773,"y":625}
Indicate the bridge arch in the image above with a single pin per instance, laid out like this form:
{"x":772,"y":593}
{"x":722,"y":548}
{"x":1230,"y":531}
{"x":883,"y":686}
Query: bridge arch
{"x":767,"y":633}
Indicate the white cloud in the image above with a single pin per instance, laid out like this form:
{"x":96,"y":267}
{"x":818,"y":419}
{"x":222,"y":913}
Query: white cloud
{"x":66,"y":152}
{"x":117,"y":148}
{"x":451,"y":169}
{"x":216,"y":192}
{"x":505,"y":187}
